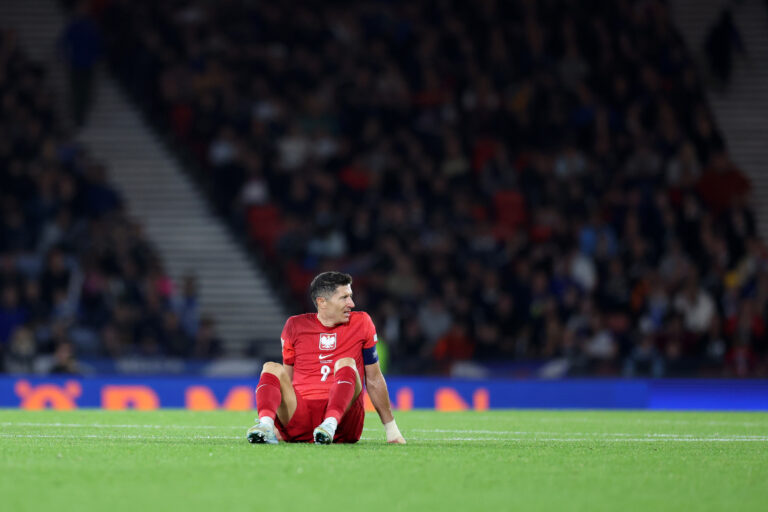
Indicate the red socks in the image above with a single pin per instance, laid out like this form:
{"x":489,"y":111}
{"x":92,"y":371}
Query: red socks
{"x":268,"y":395}
{"x":342,"y":392}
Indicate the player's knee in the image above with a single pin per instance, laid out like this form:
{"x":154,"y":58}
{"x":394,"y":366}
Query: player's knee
{"x":273,"y":368}
{"x":344,"y":361}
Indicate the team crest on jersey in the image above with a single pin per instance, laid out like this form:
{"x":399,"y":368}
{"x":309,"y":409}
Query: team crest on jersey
{"x":328,"y":341}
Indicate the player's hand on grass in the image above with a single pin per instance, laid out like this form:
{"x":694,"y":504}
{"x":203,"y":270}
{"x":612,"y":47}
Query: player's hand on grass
{"x":393,"y":433}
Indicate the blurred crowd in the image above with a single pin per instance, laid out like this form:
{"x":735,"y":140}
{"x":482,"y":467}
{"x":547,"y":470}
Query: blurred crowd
{"x":78,"y":278}
{"x":507,"y":180}
{"x":510,"y":180}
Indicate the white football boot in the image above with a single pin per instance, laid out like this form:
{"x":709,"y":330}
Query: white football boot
{"x":324,"y":432}
{"x":261,"y":433}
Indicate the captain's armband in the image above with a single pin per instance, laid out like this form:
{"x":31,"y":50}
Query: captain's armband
{"x":370,"y":355}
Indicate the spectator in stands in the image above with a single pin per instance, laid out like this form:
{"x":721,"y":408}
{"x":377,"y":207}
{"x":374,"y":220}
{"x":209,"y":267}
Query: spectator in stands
{"x":12,"y":314}
{"x":64,"y":361}
{"x":21,"y":352}
{"x":453,"y":346}
{"x":696,"y":306}
{"x":722,"y":41}
{"x":173,"y":339}
{"x":207,"y":344}
{"x":187,"y":306}
{"x":82,"y":47}
{"x":644,"y":359}
{"x":434,"y":320}
{"x":741,"y":360}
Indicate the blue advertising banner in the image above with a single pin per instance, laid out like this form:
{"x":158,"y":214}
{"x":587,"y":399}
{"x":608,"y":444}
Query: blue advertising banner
{"x":200,"y":393}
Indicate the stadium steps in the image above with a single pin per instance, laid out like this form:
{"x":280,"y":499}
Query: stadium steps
{"x":178,"y":220}
{"x":159,"y":194}
{"x":741,"y":110}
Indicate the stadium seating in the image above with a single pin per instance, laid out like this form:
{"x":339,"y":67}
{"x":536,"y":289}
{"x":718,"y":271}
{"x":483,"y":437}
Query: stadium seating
{"x":78,"y":277}
{"x":545,"y":169}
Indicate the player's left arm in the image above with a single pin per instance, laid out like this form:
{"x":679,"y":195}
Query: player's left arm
{"x":379,"y":395}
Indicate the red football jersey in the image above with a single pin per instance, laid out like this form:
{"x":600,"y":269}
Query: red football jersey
{"x":313,"y":349}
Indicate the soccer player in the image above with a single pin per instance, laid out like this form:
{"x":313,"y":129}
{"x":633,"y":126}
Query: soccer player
{"x":316,"y":394}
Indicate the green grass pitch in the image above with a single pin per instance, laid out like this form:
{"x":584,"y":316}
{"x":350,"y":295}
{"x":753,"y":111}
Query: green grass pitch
{"x":493,"y":461}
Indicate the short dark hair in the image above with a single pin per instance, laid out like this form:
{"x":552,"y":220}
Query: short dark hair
{"x":325,"y":284}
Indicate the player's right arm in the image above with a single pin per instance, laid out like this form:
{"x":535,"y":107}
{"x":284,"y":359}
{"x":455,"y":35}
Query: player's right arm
{"x":288,"y":370}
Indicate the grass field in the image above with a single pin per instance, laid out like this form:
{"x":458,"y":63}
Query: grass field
{"x":505,"y":460}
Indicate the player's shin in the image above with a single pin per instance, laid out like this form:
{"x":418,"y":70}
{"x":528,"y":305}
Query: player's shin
{"x":268,"y":399}
{"x":268,"y":396}
{"x":342,"y":392}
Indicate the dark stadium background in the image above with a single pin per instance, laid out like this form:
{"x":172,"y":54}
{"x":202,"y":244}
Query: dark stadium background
{"x":525,"y":192}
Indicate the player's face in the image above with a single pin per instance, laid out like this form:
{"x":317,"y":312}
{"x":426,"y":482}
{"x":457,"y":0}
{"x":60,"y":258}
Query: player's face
{"x":339,"y":306}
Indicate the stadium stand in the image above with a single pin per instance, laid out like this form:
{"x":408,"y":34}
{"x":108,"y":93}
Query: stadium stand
{"x":508,"y":181}
{"x":511,"y":180}
{"x":78,"y":277}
